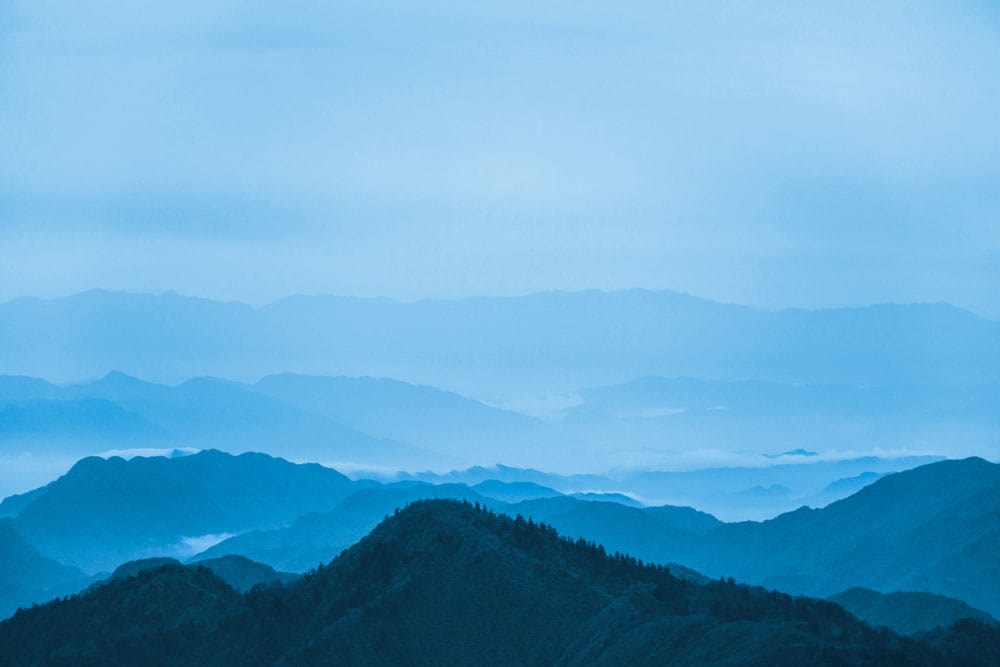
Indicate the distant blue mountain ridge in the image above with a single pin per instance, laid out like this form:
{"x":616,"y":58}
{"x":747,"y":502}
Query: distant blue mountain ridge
{"x":496,"y":346}
{"x":379,"y":425}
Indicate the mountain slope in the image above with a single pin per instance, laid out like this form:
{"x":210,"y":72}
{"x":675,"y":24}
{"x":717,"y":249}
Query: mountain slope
{"x":105,"y":512}
{"x":907,"y":613}
{"x":26,"y":576}
{"x":445,"y":583}
{"x":386,"y":408}
{"x":240,"y":573}
{"x":76,"y":425}
{"x":205,"y":413}
{"x":315,"y":538}
{"x":935,"y":528}
{"x":664,"y":533}
{"x":122,"y":412}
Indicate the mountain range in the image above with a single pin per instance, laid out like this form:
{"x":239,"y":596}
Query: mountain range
{"x":119,"y":411}
{"x":932,"y":529}
{"x":489,"y":347}
{"x":375,"y":426}
{"x":443,"y":582}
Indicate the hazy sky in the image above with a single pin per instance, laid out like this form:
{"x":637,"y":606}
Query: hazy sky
{"x":770,"y":153}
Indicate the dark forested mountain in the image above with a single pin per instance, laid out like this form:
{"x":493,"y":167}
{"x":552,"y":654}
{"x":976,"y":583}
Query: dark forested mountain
{"x":27,"y":576}
{"x":446,"y":583}
{"x":907,"y":613}
{"x":547,"y":339}
{"x":104,"y":512}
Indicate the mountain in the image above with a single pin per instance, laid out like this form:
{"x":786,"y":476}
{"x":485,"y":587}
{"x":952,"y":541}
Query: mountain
{"x":842,"y":488}
{"x":447,"y":583}
{"x":725,"y":492}
{"x":387,"y":408}
{"x":243,"y":574}
{"x":509,"y":474}
{"x":315,"y":538}
{"x":240,"y":573}
{"x":512,"y":492}
{"x":653,"y":533}
{"x":735,"y":493}
{"x":77,"y":425}
{"x":935,"y":528}
{"x":907,"y":613}
{"x":650,"y":531}
{"x":11,"y":506}
{"x":500,"y":346}
{"x":120,"y":411}
{"x":381,"y":425}
{"x":619,"y":498}
{"x":26,"y":576}
{"x":104,"y":512}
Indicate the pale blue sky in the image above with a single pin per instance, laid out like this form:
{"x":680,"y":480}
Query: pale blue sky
{"x":819,"y":154}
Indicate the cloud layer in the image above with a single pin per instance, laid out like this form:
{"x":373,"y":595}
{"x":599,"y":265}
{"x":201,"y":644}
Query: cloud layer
{"x":745,"y":151}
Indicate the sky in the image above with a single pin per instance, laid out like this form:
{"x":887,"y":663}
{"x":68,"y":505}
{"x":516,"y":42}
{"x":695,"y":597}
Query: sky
{"x":768,"y":153}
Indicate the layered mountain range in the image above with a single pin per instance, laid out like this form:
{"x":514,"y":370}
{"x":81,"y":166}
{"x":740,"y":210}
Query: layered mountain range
{"x":446,"y":582}
{"x":491,"y":346}
{"x":932,"y":529}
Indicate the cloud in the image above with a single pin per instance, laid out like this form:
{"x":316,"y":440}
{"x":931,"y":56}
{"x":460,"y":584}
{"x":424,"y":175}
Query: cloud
{"x":410,"y":148}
